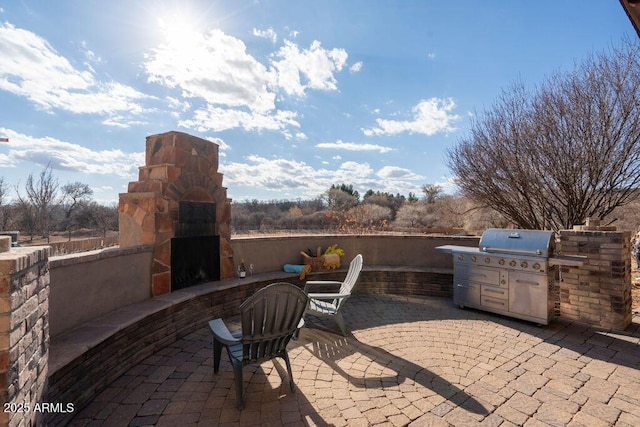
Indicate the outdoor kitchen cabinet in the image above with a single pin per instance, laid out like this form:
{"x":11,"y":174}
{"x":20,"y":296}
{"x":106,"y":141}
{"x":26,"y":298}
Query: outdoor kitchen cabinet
{"x":511,"y":293}
{"x":525,"y":289}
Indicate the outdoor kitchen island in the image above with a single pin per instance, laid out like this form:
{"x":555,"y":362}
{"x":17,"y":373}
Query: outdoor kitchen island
{"x":512,"y":272}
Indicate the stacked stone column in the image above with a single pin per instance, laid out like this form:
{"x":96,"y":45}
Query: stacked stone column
{"x":24,"y":332}
{"x":597,"y":293}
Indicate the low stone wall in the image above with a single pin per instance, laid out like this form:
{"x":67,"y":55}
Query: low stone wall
{"x":24,"y":334}
{"x":90,"y":244}
{"x":385,"y":280}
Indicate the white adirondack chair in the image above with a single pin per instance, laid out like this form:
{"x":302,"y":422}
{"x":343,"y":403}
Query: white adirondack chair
{"x":329,"y":304}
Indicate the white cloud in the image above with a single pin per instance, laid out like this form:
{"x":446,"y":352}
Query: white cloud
{"x":313,"y":68}
{"x":31,"y":68}
{"x":214,"y":67}
{"x":240,"y":91}
{"x":89,"y":54}
{"x":448,"y":184}
{"x":431,"y":55}
{"x":63,"y":155}
{"x":7,"y":161}
{"x":269,"y":33}
{"x":121,"y":121}
{"x":397,"y":173}
{"x":219,"y":119}
{"x":429,"y":117}
{"x":102,"y":189}
{"x":353,"y":146}
{"x":284,"y":176}
{"x":356,"y":67}
{"x":290,"y":175}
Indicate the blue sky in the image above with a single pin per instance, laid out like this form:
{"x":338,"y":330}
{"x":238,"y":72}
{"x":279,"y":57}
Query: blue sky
{"x":298,"y":94}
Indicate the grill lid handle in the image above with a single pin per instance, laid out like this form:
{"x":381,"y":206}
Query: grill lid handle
{"x":537,"y":252}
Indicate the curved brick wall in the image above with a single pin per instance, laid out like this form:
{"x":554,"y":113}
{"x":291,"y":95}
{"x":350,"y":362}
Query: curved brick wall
{"x":118,"y":341}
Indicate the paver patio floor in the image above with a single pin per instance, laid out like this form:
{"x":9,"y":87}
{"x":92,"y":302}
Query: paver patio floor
{"x":409,"y":361}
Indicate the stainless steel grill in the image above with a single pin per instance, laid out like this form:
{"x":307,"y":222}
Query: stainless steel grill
{"x":511,"y":272}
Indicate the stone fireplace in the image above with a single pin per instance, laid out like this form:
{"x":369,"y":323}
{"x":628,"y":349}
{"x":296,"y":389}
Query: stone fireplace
{"x":179,"y":206}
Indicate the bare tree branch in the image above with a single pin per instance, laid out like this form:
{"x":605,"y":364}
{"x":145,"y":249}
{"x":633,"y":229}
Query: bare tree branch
{"x":566,"y":151}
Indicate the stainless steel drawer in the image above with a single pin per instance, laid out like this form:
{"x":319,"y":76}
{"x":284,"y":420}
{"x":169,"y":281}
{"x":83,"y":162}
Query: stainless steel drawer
{"x":466,"y":294}
{"x":482,"y":275}
{"x":494,"y":292}
{"x":495,"y":303}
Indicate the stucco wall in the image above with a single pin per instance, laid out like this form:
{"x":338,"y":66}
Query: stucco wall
{"x":270,"y":253}
{"x":89,"y":284}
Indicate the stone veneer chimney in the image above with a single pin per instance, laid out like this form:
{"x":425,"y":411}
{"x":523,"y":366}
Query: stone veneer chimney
{"x":179,"y":168}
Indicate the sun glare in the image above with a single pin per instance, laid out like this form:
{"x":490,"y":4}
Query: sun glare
{"x":178,"y":32}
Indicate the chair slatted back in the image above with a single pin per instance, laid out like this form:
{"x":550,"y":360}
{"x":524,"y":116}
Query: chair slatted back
{"x":269,"y":319}
{"x":352,"y":275}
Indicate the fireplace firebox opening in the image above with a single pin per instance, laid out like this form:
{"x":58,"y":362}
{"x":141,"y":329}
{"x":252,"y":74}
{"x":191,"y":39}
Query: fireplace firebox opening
{"x":194,"y":260}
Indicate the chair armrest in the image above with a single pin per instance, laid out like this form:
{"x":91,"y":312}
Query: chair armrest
{"x":221,"y":332}
{"x":328,"y":296}
{"x":312,"y":283}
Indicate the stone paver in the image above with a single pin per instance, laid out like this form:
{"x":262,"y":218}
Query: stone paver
{"x":409,"y":361}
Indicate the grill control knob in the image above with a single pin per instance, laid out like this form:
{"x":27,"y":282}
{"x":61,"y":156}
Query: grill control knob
{"x":473,"y":258}
{"x":501,"y":262}
{"x":512,"y":263}
{"x":460,"y":257}
{"x":524,"y":264}
{"x":536,"y":266}
{"x":487,"y":260}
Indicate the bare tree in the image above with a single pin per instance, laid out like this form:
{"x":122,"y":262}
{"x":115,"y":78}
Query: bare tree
{"x":340,"y":200}
{"x":551,"y":157}
{"x":42,"y":195}
{"x":410,"y":215}
{"x":73,"y":195}
{"x":105,"y":217}
{"x":27,"y":215}
{"x":431,"y":192}
{"x":367,"y":217}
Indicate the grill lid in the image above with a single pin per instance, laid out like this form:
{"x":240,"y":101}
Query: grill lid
{"x":520,"y":242}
